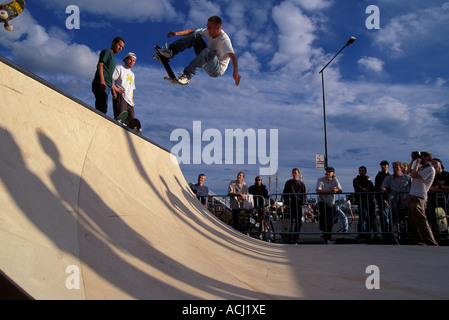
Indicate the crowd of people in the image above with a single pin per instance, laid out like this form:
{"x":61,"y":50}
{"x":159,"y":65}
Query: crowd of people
{"x":408,"y":202}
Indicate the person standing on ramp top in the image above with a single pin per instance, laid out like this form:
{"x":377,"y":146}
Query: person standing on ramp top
{"x":213,"y":58}
{"x":102,"y":83}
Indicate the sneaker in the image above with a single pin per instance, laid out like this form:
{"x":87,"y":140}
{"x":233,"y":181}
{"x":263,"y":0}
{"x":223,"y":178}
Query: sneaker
{"x":166,"y":53}
{"x":184,"y":80}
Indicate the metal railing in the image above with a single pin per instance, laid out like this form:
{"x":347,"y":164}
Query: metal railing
{"x":355,"y":216}
{"x":436,"y":212}
{"x":347,"y":217}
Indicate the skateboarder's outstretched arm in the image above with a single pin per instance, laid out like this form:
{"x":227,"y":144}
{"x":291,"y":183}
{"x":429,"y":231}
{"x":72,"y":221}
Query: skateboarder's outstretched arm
{"x":235,"y":65}
{"x":179,"y":33}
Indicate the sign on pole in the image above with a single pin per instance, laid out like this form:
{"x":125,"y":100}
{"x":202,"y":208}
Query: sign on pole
{"x":320,"y":161}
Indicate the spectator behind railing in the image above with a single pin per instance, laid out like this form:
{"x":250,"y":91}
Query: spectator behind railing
{"x":200,"y":190}
{"x":364,"y":199}
{"x":259,"y":189}
{"x":293,"y":198}
{"x":397,"y":186}
{"x":326,"y":187}
{"x":238,"y":190}
{"x":380,"y":198}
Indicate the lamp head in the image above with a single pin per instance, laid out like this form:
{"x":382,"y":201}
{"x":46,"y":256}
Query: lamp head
{"x":351,"y":40}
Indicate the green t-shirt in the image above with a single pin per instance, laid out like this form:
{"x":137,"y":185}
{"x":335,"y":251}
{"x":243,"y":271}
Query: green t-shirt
{"x":108,"y":58}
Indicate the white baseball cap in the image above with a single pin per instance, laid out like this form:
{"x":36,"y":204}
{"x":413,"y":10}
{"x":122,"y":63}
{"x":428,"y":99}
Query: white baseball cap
{"x":130,"y":54}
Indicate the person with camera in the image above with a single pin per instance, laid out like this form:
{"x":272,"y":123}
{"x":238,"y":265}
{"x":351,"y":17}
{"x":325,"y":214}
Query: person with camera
{"x":422,"y":173}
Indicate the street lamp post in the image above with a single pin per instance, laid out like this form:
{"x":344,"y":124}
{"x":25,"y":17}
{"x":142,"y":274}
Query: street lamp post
{"x":351,"y":40}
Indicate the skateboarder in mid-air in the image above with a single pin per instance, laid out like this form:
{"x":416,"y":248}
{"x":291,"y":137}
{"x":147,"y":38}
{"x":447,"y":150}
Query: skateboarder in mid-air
{"x":214,"y":59}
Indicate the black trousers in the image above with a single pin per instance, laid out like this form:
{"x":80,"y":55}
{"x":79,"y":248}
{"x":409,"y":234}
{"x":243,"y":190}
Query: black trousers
{"x":326,"y":219}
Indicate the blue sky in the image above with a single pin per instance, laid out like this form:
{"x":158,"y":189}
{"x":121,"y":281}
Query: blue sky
{"x":386,"y":94}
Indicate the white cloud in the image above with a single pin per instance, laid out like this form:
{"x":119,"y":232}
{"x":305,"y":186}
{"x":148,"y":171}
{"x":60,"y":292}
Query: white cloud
{"x":248,"y":20}
{"x":129,"y":10}
{"x":249,"y":63}
{"x":295,"y":39}
{"x":384,"y":107}
{"x":200,"y":11}
{"x":48,"y":52}
{"x":313,"y":4}
{"x":414,"y":30}
{"x":440,"y":82}
{"x":237,"y":13}
{"x":372,"y":63}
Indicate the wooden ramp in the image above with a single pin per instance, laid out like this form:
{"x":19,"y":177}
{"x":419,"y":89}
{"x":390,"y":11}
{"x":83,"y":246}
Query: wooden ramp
{"x":90,"y":210}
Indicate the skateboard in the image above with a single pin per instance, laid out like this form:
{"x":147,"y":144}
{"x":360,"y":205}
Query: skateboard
{"x":135,"y":125}
{"x":171,"y":76}
{"x":441,"y":220}
{"x":122,"y":117}
{"x":9,"y":10}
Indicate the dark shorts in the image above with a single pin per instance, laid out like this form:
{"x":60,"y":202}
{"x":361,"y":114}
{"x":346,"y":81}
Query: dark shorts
{"x":120,"y":105}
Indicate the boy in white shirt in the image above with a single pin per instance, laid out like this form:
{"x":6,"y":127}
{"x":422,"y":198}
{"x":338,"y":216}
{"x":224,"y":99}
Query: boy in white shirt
{"x":124,"y":78}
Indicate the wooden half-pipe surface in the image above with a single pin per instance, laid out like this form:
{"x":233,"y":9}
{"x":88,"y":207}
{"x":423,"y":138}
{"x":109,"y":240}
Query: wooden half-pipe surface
{"x":90,"y":210}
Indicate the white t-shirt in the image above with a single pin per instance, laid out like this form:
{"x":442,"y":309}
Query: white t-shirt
{"x":221,"y":44}
{"x":235,"y":187}
{"x":125,"y":79}
{"x":323,"y":184}
{"x":420,"y":186}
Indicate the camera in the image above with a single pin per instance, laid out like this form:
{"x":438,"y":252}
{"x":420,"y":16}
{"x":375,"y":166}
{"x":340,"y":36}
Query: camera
{"x":416,"y":155}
